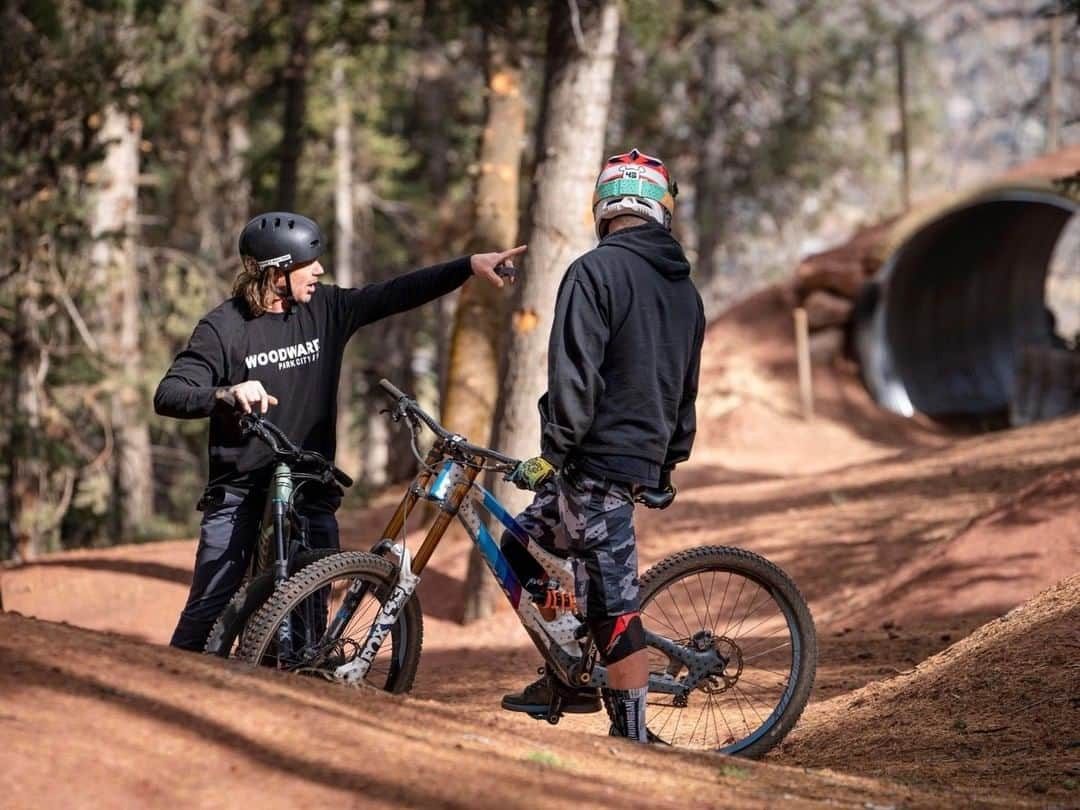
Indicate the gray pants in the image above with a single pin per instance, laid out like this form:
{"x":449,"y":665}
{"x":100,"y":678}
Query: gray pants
{"x":592,"y":521}
{"x":226,"y":540}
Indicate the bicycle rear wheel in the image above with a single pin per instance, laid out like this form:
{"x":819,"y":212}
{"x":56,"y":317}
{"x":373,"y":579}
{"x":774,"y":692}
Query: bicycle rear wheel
{"x":752,"y":614}
{"x":311,"y":598}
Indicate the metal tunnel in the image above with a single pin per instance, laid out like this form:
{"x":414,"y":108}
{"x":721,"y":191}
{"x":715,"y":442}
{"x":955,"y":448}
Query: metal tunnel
{"x":948,"y":323}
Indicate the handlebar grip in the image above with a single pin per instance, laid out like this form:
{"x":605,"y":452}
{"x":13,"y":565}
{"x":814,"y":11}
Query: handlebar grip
{"x":391,"y":389}
{"x":342,"y":478}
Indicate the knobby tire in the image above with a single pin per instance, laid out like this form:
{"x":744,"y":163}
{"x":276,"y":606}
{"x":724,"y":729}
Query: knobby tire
{"x":406,"y":635}
{"x":719,"y":562}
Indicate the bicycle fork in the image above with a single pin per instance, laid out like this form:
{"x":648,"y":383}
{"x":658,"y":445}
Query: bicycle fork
{"x":357,"y":669}
{"x":282,"y":488}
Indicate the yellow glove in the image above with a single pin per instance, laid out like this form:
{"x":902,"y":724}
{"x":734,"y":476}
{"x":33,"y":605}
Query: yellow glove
{"x":531,"y":474}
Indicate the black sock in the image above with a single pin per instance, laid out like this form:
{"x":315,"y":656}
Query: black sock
{"x":628,"y":710}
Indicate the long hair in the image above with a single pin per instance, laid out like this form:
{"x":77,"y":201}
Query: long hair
{"x":255,"y":288}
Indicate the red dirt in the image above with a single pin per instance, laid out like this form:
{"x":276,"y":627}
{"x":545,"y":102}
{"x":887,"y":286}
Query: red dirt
{"x":903,"y":538}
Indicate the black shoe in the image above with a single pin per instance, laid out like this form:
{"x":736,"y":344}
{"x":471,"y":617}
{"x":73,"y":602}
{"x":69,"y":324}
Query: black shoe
{"x":535,"y":699}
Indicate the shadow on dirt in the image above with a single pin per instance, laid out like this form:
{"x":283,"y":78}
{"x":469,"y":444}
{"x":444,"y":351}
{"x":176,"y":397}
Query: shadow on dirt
{"x":151,"y":570}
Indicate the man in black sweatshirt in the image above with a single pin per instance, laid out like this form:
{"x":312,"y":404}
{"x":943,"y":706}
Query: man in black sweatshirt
{"x":278,"y":342}
{"x":623,"y":362}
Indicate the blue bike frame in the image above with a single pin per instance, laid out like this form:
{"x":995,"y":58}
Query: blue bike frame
{"x":562,"y":641}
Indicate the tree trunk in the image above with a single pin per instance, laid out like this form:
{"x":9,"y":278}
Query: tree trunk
{"x":211,"y":202}
{"x":112,"y":227}
{"x":472,"y":386}
{"x":221,"y":183}
{"x":1053,"y":117}
{"x":26,"y":469}
{"x":348,"y":443}
{"x":577,"y":94}
{"x":292,"y":124}
{"x":709,"y":186}
{"x":435,"y":97}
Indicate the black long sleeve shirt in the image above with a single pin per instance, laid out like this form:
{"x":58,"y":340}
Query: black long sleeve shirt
{"x":623,"y":358}
{"x":296,"y":355}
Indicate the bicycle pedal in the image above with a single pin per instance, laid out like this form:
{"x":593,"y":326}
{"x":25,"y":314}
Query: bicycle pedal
{"x":552,"y":717}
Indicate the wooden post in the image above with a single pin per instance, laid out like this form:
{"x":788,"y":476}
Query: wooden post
{"x":1053,"y":119}
{"x":802,"y":350}
{"x":901,"y":100}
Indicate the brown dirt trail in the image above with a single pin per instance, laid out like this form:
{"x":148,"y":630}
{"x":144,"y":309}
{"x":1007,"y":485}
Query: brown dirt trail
{"x":905,"y":539}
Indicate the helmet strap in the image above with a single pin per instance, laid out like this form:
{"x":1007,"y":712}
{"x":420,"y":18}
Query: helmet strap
{"x":288,"y":286}
{"x":286,"y":296}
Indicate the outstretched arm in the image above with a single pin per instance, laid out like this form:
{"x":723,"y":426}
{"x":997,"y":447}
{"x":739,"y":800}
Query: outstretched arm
{"x":372,"y":302}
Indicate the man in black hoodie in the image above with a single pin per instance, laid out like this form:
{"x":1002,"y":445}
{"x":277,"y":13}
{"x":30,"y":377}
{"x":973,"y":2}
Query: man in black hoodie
{"x":623,"y":362}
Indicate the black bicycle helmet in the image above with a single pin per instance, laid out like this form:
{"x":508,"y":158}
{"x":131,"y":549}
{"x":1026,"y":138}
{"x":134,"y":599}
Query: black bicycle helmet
{"x":280,"y":239}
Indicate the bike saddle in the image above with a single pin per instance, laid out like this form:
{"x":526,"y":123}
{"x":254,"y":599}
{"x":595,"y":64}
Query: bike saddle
{"x":654,"y":497}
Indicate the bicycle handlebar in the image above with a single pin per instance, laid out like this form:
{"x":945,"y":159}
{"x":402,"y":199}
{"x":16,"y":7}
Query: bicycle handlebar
{"x":281,"y":446}
{"x":651,"y":497}
{"x":409,"y":407}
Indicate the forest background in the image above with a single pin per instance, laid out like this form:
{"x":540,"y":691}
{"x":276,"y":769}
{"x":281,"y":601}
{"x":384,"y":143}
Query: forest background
{"x":137,"y":137}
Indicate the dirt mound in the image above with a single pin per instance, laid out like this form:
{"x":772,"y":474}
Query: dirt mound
{"x":997,"y":712}
{"x":749,"y":411}
{"x":96,"y":720}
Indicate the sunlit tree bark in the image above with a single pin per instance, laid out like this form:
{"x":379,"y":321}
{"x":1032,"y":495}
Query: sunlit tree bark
{"x":577,"y":92}
{"x":113,"y":226}
{"x":473,"y":372}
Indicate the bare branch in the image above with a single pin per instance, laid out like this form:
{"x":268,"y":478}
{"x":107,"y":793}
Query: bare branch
{"x":575,"y":24}
{"x":64,"y":502}
{"x":69,"y":305}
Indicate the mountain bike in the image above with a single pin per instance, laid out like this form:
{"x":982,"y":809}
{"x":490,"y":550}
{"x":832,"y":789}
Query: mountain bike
{"x":282,"y":546}
{"x":731,"y":643}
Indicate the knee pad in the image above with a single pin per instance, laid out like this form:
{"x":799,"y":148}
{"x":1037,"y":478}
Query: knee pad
{"x":617,"y":637}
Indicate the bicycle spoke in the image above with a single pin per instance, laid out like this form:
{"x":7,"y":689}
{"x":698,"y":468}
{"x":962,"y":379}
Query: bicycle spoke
{"x":749,"y":626}
{"x":693,"y":603}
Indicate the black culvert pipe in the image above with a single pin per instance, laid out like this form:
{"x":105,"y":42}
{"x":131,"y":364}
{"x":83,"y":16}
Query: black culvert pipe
{"x":942,"y":327}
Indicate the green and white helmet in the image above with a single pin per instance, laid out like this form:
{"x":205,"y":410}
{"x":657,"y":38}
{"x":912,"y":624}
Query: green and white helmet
{"x":633,"y":183}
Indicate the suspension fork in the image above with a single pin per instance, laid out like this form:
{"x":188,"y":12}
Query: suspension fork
{"x":408,"y":578}
{"x":359,"y":588}
{"x":281,"y":489}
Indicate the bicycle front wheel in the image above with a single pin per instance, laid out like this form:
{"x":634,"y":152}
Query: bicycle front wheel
{"x":306,"y":605}
{"x":227,"y":633}
{"x":751,"y":613}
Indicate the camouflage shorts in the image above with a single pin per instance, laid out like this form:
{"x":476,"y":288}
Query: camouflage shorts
{"x":592,"y":520}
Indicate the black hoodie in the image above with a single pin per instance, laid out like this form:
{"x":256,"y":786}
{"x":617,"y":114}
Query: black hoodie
{"x":623,"y":358}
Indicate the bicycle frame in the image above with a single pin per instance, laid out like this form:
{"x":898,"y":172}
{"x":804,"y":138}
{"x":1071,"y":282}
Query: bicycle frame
{"x":280,"y":532}
{"x":562,"y":641}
